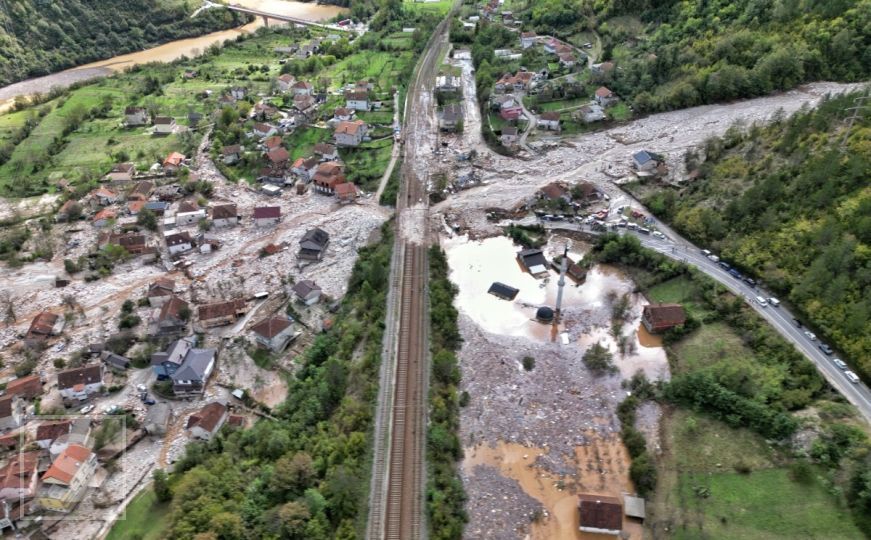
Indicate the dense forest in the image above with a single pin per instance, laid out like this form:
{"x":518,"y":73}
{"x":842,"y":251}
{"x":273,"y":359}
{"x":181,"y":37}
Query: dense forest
{"x":38,"y":37}
{"x":786,"y":202}
{"x":680,"y":53}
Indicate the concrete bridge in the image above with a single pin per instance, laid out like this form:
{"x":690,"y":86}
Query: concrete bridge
{"x":265,"y":15}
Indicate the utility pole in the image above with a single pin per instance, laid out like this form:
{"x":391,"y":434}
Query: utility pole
{"x":858,"y":105}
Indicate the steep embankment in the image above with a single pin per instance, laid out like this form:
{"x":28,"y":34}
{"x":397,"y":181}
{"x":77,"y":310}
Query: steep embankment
{"x":39,"y":37}
{"x":789,"y":204}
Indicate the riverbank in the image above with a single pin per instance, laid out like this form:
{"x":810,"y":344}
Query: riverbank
{"x":166,"y":52}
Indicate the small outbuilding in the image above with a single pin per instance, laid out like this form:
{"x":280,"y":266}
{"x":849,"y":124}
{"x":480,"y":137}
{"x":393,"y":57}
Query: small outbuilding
{"x":503,"y":291}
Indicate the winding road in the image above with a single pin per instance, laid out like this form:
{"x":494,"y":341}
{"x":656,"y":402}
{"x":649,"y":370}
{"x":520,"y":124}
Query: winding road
{"x":780,"y":318}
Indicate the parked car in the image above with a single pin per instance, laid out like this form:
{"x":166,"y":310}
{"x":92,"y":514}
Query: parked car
{"x":714,"y":258}
{"x":826,"y":349}
{"x":750,"y":281}
{"x":774,"y":302}
{"x":761,"y":301}
{"x":706,"y":252}
{"x":840,"y":363}
{"x":86,"y":409}
{"x":810,"y":335}
{"x":725,"y":265}
{"x":852,"y":377}
{"x":797,"y":322}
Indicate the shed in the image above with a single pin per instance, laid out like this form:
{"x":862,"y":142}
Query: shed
{"x":600,"y":514}
{"x":634,"y":507}
{"x":534,"y":261}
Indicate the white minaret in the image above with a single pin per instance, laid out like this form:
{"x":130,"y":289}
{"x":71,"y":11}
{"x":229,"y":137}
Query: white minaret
{"x":564,"y":264}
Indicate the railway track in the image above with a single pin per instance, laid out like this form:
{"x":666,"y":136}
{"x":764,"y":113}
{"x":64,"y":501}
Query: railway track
{"x":396,"y":499}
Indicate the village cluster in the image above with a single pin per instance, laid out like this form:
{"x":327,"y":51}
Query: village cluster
{"x":215,"y":268}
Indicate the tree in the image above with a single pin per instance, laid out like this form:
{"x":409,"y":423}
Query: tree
{"x":147,"y":219}
{"x":293,"y":473}
{"x":161,"y":485}
{"x":598,"y":359}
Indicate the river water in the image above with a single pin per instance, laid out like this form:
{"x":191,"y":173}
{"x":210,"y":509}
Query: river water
{"x":168,"y":51}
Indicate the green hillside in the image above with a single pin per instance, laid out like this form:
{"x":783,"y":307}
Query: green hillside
{"x":679,"y":53}
{"x":38,"y":37}
{"x":785,"y":203}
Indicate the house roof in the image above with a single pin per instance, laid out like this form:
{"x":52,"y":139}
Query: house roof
{"x":263,"y":128}
{"x":104,"y":193}
{"x":178,"y":239}
{"x":603,"y":92}
{"x":271,"y":327}
{"x":26,"y":387}
{"x":265,"y":212}
{"x":18,"y":473}
{"x":528,"y":34}
{"x":356,"y":95}
{"x":272,"y":142}
{"x":67,"y":464}
{"x":175,"y":159}
{"x":49,"y":431}
{"x":171,"y":308}
{"x":643,"y":157}
{"x":509,"y":130}
{"x":224,"y":211}
{"x":135,"y":206}
{"x":163,"y":120}
{"x":665,"y":314}
{"x":116,"y":360}
{"x":83,"y":375}
{"x":349,"y":127}
{"x":532,"y":257}
{"x":317,"y":237}
{"x":194,"y":366}
{"x":42,"y":324}
{"x":324,"y":149}
{"x":233,"y":149}
{"x":305,"y":287}
{"x":343,"y":111}
{"x":452,"y":112}
{"x":122,"y":168}
{"x":133,"y":110}
{"x":550,"y":116}
{"x":302,"y":85}
{"x":503,"y":291}
{"x":209,"y":417}
{"x":287,"y":78}
{"x":600,"y":512}
{"x":278,"y":155}
{"x":127,"y":240}
{"x":161,"y":287}
{"x":345,"y":190}
{"x":220,"y":309}
{"x":106,"y":213}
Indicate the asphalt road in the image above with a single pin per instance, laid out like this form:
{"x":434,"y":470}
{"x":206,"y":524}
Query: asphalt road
{"x":779,"y":317}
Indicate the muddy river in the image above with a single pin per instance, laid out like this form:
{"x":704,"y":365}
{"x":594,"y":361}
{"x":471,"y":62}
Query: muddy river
{"x":168,"y":51}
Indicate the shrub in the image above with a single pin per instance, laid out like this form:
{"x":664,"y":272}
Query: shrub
{"x":528,"y":363}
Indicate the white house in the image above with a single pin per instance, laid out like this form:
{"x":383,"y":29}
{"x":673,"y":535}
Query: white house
{"x":527,"y":39}
{"x":122,"y":172}
{"x":350,"y":133}
{"x":136,"y":116}
{"x":274,"y":333}
{"x":605,"y":97}
{"x":549,"y":120}
{"x":191,"y":217}
{"x":447,"y":84}
{"x":302,"y":88}
{"x":164,"y":125}
{"x":265,"y":216}
{"x":206,"y":422}
{"x":264,"y":130}
{"x":592,"y":112}
{"x":224,"y":215}
{"x":78,"y":384}
{"x":307,"y":292}
{"x":645,"y":161}
{"x":285,"y":82}
{"x":326,"y":152}
{"x":179,"y":242}
{"x":238,"y":92}
{"x":357,"y":100}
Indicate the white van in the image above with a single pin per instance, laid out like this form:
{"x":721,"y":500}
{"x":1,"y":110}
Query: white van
{"x":714,"y":258}
{"x":774,"y":302}
{"x":840,"y":363}
{"x":852,"y":377}
{"x":761,"y":301}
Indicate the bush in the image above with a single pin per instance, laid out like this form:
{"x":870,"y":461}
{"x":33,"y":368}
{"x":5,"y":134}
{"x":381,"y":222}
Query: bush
{"x":598,"y":359}
{"x":643,"y":474}
{"x":528,"y":363}
{"x":25,"y":368}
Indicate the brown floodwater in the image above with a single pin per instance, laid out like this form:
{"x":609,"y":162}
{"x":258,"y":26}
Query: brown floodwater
{"x":646,"y":339}
{"x":601,"y":468}
{"x":168,"y":51}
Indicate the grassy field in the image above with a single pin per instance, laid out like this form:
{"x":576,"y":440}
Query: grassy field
{"x":381,"y":67}
{"x":682,"y":291}
{"x":144,"y":519}
{"x":440,"y":7}
{"x":702,"y":494}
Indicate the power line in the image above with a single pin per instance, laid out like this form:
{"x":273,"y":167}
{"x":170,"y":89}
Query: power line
{"x":858,"y":105}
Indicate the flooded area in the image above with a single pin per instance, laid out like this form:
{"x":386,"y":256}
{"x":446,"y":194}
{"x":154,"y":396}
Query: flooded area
{"x":535,"y":439}
{"x":603,"y":468}
{"x":168,"y":51}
